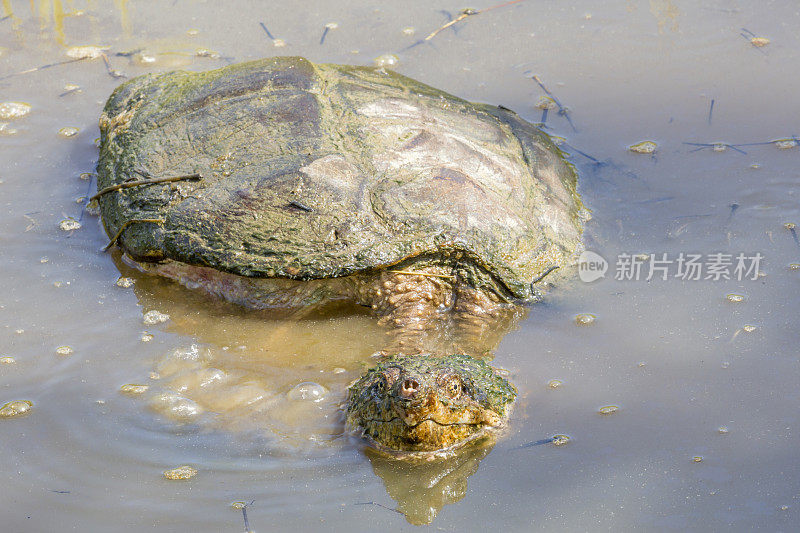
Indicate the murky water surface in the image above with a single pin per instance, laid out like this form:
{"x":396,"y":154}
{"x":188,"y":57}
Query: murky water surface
{"x":705,"y":430}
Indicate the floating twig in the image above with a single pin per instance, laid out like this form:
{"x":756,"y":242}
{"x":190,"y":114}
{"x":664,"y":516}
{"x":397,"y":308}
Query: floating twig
{"x":785,"y":143}
{"x":127,"y":224}
{"x":35,"y":69}
{"x":710,"y":111}
{"x":137,"y":183}
{"x":464,"y":14}
{"x":562,"y":111}
{"x":428,"y":274}
{"x":111,"y":70}
{"x":449,"y":18}
{"x":380,"y":505}
{"x":717,"y":147}
{"x":129,"y":53}
{"x":764,"y":143}
{"x":264,"y":27}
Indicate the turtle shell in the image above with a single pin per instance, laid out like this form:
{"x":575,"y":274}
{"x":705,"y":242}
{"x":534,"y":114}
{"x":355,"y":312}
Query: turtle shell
{"x":313,"y":171}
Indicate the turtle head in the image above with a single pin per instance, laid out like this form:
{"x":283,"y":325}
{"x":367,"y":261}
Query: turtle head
{"x":428,"y":403}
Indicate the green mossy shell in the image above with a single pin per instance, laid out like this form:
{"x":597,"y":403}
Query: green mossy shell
{"x":319,"y":171}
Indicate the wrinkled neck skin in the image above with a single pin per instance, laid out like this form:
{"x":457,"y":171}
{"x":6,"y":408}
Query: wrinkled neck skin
{"x":433,"y":311}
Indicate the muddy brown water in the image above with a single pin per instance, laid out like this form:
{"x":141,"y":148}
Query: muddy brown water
{"x":705,"y":434}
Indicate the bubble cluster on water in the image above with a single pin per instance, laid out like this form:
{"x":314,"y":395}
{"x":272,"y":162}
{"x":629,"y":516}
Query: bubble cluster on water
{"x":68,"y":131}
{"x":175,"y":406}
{"x":307,"y":391}
{"x":180,"y":472}
{"x":154,"y":317}
{"x":134,"y":389}
{"x":69,"y":224}
{"x":125,"y":282}
{"x":65,"y":350}
{"x":643,"y":147}
{"x":15,"y":408}
{"x":14,"y":110}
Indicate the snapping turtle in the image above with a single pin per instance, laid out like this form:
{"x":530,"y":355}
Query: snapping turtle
{"x":283,"y":183}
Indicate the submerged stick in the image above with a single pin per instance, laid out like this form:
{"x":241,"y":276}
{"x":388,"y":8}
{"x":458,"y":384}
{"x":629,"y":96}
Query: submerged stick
{"x":536,"y":443}
{"x":710,"y":111}
{"x":584,"y":154}
{"x":561,"y":109}
{"x":150,"y":181}
{"x":111,"y":70}
{"x":127,"y":224}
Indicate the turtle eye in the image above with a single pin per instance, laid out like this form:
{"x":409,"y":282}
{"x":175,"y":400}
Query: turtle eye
{"x":453,"y":387}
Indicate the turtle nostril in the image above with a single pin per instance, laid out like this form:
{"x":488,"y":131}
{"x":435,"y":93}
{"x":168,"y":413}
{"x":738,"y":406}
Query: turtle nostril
{"x":410,"y":387}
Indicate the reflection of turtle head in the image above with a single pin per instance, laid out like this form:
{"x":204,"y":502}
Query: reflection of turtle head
{"x":422,"y":488}
{"x":429,"y":403}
